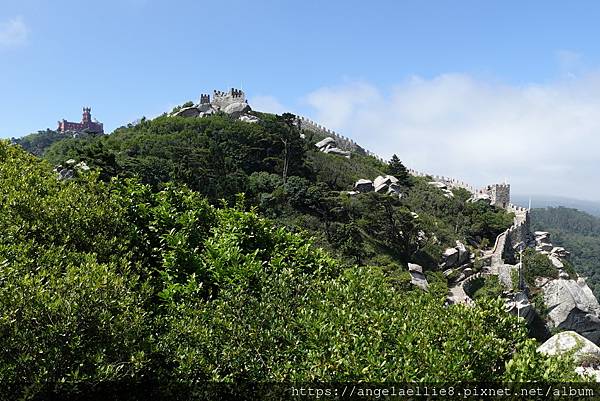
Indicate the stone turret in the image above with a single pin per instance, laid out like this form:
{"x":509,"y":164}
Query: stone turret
{"x":204,"y":99}
{"x":499,"y":195}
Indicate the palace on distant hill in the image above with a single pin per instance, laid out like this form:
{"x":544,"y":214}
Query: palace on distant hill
{"x":86,"y":124}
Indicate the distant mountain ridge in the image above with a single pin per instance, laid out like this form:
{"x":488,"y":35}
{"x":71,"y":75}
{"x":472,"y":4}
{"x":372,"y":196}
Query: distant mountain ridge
{"x":544,"y":201}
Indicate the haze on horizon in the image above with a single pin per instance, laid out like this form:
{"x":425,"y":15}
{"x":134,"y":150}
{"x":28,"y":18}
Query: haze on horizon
{"x":480,"y":92}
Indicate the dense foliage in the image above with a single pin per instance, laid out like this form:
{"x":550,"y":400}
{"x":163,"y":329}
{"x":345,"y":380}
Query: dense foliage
{"x":113,"y":281}
{"x":537,"y":265}
{"x":41,"y":141}
{"x":579,"y":233}
{"x":289,"y":181}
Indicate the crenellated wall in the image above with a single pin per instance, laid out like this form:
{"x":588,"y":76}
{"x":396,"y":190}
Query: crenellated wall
{"x":224,"y":99}
{"x":499,"y":195}
{"x":341,"y":141}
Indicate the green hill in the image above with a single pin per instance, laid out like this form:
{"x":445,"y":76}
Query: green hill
{"x":579,"y":233}
{"x":153,"y":267}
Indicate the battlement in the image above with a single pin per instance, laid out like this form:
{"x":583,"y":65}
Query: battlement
{"x":204,"y":99}
{"x":499,"y":194}
{"x":342,"y":141}
{"x":224,"y":99}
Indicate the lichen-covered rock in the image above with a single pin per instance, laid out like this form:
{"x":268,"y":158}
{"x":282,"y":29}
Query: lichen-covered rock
{"x":570,"y":341}
{"x":573,"y":306}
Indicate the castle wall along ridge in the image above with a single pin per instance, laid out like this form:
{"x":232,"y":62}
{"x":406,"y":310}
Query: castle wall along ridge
{"x":498,"y":194}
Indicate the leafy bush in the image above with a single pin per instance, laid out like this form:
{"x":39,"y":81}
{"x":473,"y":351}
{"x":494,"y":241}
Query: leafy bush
{"x":114,"y":280}
{"x":490,"y":288}
{"x":537,"y":265}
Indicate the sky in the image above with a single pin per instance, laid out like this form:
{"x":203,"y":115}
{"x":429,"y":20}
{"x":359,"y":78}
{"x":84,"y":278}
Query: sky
{"x":480,"y":91}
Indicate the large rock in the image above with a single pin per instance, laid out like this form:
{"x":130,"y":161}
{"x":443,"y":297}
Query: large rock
{"x":188,"y":112}
{"x":327,"y":141}
{"x":438,"y":184}
{"x":570,"y":341}
{"x":417,"y":276}
{"x":463,"y":254}
{"x":385,"y":180}
{"x":450,"y":257}
{"x":337,"y":151}
{"x":572,"y":306}
{"x":480,"y":197}
{"x":518,"y":304}
{"x":363,"y":185}
{"x":560,"y":252}
{"x":236,"y":109}
{"x":556,"y":262}
{"x":247,"y":118}
{"x":543,"y":238}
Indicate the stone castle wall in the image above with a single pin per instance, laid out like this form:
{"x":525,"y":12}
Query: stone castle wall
{"x":341,"y":141}
{"x":519,"y":232}
{"x":224,"y":99}
{"x":499,"y":195}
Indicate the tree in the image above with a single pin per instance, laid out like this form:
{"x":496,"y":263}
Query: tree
{"x":397,"y":169}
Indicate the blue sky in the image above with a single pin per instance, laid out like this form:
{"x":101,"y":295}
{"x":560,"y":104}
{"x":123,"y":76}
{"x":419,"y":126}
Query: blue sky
{"x":417,"y":78}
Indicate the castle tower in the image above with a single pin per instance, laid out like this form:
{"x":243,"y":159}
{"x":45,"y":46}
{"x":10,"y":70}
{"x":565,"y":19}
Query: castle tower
{"x":223,"y":99}
{"x":499,"y":195}
{"x":87,"y":115}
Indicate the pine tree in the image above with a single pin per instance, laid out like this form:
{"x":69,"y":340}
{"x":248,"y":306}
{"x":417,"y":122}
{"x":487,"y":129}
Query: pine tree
{"x":397,"y":169}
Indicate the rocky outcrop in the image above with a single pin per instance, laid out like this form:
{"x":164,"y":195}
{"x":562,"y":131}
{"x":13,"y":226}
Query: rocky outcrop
{"x":237,"y":109}
{"x":457,"y":256}
{"x":569,"y":341}
{"x":417,"y":277}
{"x":329,"y":145}
{"x":70,"y":169}
{"x":385,"y":184}
{"x":480,"y":197}
{"x":232,"y":103}
{"x":585,"y":353}
{"x":556,"y":254}
{"x":363,"y":185}
{"x":442,"y":187}
{"x":188,"y":112}
{"x":518,"y":304}
{"x":573,"y":306}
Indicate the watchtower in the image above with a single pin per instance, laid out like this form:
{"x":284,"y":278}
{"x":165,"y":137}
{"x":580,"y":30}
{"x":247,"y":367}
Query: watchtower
{"x":499,"y":195}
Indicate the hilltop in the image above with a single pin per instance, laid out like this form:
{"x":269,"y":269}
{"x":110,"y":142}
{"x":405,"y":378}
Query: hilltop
{"x":220,"y":243}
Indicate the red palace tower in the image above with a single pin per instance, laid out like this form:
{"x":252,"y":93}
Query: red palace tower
{"x":85,"y":124}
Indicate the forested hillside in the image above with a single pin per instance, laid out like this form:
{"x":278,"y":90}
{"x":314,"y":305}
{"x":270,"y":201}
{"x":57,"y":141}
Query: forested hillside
{"x":288,"y":180}
{"x":39,"y":142}
{"x":154,"y":267}
{"x":578,"y":232}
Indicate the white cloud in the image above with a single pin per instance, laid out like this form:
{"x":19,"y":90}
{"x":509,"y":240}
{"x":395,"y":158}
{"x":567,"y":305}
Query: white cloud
{"x":13,"y":32}
{"x":268,"y":104}
{"x":543,"y":138}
